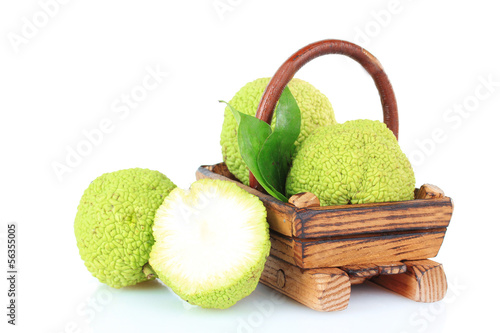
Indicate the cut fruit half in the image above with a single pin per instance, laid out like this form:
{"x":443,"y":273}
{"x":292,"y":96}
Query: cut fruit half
{"x":212,"y":242}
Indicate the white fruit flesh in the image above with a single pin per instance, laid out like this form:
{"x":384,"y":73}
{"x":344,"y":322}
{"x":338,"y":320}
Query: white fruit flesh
{"x":208,"y":236}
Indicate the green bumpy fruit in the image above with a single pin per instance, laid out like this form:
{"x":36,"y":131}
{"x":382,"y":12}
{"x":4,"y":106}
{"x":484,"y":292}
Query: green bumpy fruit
{"x":113,"y":225}
{"x":212,"y":242}
{"x":315,"y":108}
{"x":359,"y":161}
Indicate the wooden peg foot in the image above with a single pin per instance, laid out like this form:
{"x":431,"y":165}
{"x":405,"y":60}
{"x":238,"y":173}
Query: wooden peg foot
{"x":326,"y":289}
{"x":423,"y":281}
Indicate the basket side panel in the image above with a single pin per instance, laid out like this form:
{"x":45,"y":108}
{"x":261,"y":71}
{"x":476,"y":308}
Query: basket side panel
{"x":336,"y":252}
{"x":372,"y":218}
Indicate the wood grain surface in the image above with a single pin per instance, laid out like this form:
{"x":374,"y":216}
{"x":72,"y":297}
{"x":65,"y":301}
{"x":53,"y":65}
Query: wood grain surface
{"x":362,"y":249}
{"x":322,"y":290}
{"x":423,"y":281}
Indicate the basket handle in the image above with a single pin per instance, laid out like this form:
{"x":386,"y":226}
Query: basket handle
{"x":286,"y":72}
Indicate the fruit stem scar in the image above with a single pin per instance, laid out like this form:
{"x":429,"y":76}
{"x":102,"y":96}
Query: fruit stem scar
{"x":148,"y":271}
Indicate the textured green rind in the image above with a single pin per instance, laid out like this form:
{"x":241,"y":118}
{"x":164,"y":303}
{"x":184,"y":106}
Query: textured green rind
{"x":113,"y":225}
{"x":359,"y":161}
{"x":243,"y":280}
{"x":226,"y":296}
{"x":316,"y":110}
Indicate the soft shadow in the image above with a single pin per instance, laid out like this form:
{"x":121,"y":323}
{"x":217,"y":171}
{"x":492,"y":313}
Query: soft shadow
{"x":146,"y":285}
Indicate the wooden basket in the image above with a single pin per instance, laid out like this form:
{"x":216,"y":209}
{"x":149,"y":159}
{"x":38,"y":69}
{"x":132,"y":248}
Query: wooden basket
{"x":317,"y":253}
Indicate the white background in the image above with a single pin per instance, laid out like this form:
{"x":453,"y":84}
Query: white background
{"x":65,"y":75}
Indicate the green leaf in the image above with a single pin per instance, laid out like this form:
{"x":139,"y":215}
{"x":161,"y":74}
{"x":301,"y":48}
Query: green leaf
{"x":252,"y":133}
{"x":268,"y":153}
{"x":275,"y":157}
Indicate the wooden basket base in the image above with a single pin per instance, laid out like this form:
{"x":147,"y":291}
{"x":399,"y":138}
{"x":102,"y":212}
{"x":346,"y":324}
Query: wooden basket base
{"x":329,"y":289}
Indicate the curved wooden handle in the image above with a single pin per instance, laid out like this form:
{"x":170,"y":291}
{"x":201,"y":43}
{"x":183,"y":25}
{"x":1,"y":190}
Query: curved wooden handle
{"x":286,"y":72}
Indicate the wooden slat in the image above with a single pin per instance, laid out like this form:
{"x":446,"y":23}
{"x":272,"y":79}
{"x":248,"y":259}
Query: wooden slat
{"x":392,"y":247}
{"x":391,"y":268}
{"x":284,"y":248}
{"x":327,"y":289}
{"x":370,"y":270}
{"x":369,"y":218}
{"x":335,"y":252}
{"x":362,"y":271}
{"x":424,"y":281}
